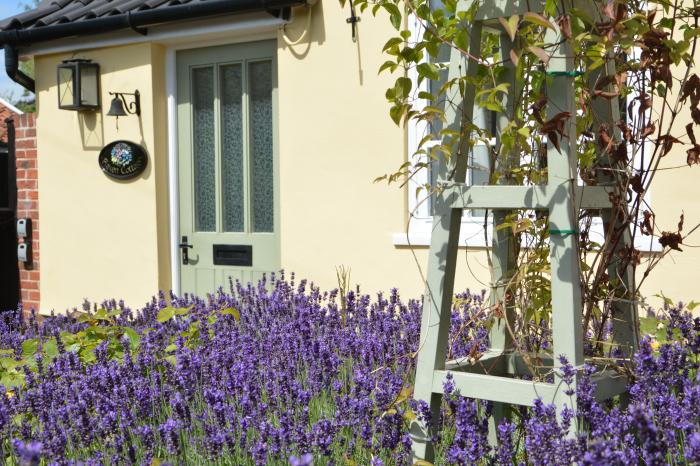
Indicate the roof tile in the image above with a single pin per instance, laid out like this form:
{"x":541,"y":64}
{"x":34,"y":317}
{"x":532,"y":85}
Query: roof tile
{"x":50,"y":12}
{"x":53,"y":12}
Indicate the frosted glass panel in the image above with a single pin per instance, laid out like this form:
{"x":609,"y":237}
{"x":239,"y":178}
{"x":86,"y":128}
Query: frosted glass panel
{"x":203,"y":145}
{"x":232,"y":147}
{"x":261,"y":166}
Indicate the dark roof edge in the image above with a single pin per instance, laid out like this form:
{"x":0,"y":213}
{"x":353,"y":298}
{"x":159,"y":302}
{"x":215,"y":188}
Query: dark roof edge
{"x":140,"y":19}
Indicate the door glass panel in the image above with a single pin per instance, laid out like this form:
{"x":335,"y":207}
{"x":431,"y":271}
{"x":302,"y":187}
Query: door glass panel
{"x":203,"y":148}
{"x":232,"y":147}
{"x":261,"y":171}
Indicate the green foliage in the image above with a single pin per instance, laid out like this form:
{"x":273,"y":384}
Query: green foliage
{"x":100,"y":327}
{"x":642,"y":52}
{"x":168,"y":313}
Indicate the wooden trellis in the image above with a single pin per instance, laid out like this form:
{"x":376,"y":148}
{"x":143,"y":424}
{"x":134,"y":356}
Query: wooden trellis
{"x":493,"y":377}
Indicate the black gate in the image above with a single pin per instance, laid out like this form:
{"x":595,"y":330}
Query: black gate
{"x":9,"y":270}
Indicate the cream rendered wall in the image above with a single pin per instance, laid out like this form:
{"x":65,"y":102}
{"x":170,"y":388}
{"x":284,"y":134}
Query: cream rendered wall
{"x":100,"y":236}
{"x":674,"y":191}
{"x":335,"y":138}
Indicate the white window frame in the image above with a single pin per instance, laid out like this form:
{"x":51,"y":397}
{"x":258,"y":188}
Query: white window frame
{"x":420,"y":222}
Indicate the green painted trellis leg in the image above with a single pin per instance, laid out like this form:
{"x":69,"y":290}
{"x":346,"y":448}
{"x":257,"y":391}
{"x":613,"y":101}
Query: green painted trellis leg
{"x":504,"y":248}
{"x":606,"y":112}
{"x":442,"y":260}
{"x":563,"y":218}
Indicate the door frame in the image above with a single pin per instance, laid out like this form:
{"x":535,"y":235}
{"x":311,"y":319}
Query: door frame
{"x":248,"y":31}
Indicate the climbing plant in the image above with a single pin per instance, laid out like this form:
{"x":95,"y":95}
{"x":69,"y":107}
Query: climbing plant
{"x":638,"y":55}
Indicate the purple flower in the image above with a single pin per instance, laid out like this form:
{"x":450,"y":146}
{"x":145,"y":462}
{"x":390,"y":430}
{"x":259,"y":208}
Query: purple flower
{"x":692,"y":448}
{"x":307,"y":459}
{"x":170,"y":434}
{"x":29,"y":453}
{"x":292,"y":371}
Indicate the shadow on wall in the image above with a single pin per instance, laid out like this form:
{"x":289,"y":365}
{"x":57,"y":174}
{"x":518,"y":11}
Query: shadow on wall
{"x":92,"y":132}
{"x":308,"y":27}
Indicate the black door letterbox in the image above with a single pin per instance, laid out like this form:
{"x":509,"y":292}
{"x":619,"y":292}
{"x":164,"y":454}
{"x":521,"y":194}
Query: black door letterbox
{"x":233,"y":254}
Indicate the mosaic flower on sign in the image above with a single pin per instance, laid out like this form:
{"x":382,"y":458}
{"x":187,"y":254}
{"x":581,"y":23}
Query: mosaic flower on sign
{"x":121,"y":154}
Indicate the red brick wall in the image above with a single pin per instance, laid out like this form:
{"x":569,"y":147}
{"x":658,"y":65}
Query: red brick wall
{"x":28,"y":205}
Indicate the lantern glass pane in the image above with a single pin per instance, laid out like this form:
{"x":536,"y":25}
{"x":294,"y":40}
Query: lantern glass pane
{"x":88,"y":85}
{"x":66,"y":94}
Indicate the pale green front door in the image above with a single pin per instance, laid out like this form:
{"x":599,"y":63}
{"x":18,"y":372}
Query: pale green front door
{"x":227,"y":142}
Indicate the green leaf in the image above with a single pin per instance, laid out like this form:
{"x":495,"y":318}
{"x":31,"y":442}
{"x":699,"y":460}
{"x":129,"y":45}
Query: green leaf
{"x":74,"y":348}
{"x":428,"y":70}
{"x":692,"y":305}
{"x":10,"y":380}
{"x":229,"y":311}
{"x":83,"y":318}
{"x":404,"y":85}
{"x":666,"y":23}
{"x":88,"y":355}
{"x":181,"y":311}
{"x":393,"y":42}
{"x":168,"y":313}
{"x":396,"y":112}
{"x":510,"y":25}
{"x":394,"y":14}
{"x":550,"y":7}
{"x":10,"y":363}
{"x":165,"y":314}
{"x":648,"y":326}
{"x":29,"y":347}
{"x":462,"y":39}
{"x":388,"y":65}
{"x":538,"y":19}
{"x":49,"y":348}
{"x":133,"y":335}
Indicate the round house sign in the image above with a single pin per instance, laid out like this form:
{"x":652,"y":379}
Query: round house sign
{"x":123,"y":160}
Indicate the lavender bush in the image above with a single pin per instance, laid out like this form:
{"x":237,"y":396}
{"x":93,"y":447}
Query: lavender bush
{"x":281,"y":373}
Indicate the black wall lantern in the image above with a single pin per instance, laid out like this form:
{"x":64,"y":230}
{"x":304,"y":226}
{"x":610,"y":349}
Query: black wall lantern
{"x":78,"y":85}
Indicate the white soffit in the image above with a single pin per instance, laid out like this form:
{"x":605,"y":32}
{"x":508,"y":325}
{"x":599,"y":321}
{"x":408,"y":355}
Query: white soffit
{"x":170,"y":34}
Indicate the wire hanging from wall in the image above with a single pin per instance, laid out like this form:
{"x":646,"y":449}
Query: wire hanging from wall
{"x":307,"y":28}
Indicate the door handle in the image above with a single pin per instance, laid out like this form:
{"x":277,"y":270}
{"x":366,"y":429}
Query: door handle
{"x":184,"y":248}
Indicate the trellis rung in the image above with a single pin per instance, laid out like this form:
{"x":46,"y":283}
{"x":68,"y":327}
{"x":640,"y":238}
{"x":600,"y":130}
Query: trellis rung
{"x":501,"y":389}
{"x":523,"y":392}
{"x":519,"y":197}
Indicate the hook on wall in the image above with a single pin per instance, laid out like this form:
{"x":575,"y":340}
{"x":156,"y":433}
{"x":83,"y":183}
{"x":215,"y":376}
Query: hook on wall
{"x":352,"y":21}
